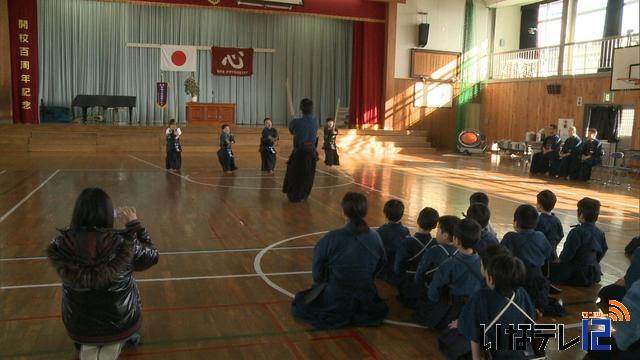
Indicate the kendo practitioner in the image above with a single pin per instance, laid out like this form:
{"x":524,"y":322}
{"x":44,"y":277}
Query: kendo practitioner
{"x":225,"y":154}
{"x":330,"y":148}
{"x":301,"y":167}
{"x":591,"y":155}
{"x":534,"y":250}
{"x":570,"y":155}
{"x":174,"y":149}
{"x":268,"y":142}
{"x":345,"y":263}
{"x":546,"y":161}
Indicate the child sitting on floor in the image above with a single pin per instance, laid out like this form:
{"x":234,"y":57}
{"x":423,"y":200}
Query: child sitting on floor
{"x":491,"y":311}
{"x":579,"y":261}
{"x":392,"y":233}
{"x":533,"y":249}
{"x":455,"y":281}
{"x":482,"y":198}
{"x":409,"y":253}
{"x":548,"y":223}
{"x":480,"y":213}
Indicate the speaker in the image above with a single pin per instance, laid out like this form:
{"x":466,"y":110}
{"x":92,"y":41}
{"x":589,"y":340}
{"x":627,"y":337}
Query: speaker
{"x":553,"y":89}
{"x":423,"y":34}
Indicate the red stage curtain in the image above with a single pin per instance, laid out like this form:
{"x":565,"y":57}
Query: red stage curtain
{"x":23,"y":30}
{"x":366,"y":73}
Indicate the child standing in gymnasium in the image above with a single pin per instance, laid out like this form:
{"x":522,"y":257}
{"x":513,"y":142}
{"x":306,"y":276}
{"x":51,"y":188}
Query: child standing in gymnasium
{"x":225,"y":154}
{"x":548,"y":223}
{"x":268,"y":146}
{"x":533,"y":249}
{"x":480,"y":213}
{"x":455,"y":281}
{"x":392,"y":233}
{"x":330,"y":149}
{"x":579,"y":261}
{"x":174,"y":150}
{"x":409,"y":253}
{"x":436,"y":255}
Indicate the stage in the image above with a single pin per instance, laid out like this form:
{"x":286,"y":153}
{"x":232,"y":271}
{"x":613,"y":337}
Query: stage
{"x":95,"y":138}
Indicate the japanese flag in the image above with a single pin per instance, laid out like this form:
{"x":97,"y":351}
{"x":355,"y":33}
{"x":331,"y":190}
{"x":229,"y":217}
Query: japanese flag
{"x":178,"y":58}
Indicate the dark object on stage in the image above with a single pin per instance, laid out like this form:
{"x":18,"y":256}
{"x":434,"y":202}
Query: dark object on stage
{"x":553,"y":89}
{"x":210,"y":114}
{"x":423,"y":34}
{"x":104,"y":101}
{"x":470,"y":141}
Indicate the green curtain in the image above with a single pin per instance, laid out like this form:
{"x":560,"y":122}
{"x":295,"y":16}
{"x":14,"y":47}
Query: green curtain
{"x":82,"y":50}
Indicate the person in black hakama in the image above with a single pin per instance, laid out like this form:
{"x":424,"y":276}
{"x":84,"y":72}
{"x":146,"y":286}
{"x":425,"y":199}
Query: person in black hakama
{"x":570,"y":155}
{"x":546,"y":161}
{"x":591,"y":155}
{"x":345,"y":263}
{"x":225,"y":154}
{"x":301,"y":167}
{"x":268,"y":146}
{"x":330,"y":149}
{"x":174,"y":149}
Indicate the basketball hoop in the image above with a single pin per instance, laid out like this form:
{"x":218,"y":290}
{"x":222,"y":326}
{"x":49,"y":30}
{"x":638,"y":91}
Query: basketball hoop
{"x":632,"y":81}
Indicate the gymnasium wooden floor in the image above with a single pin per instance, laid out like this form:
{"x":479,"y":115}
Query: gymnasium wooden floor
{"x":233,"y":249}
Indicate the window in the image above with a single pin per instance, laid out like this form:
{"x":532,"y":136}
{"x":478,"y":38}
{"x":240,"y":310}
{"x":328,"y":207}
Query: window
{"x":630,"y":17}
{"x":626,"y":123}
{"x":549,"y":23}
{"x":590,"y":16}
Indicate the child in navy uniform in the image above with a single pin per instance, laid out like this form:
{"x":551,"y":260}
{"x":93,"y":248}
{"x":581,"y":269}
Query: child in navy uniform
{"x":225,"y":154}
{"x":392,"y":234}
{"x":617,"y":290}
{"x":409,"y":253}
{"x":437,"y":254}
{"x":533,"y":249}
{"x":579,"y":261}
{"x":344,"y":265}
{"x":481,"y":213}
{"x":548,"y":223}
{"x":455,"y":281}
{"x":482,"y":198}
{"x":491,"y":310}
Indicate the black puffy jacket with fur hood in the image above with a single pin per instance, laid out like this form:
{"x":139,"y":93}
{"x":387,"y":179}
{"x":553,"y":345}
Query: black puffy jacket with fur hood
{"x":100,"y":299}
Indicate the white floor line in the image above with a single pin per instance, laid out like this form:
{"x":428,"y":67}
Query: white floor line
{"x":189,"y":179}
{"x":3,"y":171}
{"x":28,"y":196}
{"x":189,"y":278}
{"x":174,"y":253}
{"x":257,"y":266}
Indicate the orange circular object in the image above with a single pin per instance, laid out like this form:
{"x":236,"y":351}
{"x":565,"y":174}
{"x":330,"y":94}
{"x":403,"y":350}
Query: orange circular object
{"x":469,"y":138}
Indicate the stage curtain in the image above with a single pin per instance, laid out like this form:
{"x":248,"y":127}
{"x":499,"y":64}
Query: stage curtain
{"x":367,"y":72}
{"x":83,"y":50}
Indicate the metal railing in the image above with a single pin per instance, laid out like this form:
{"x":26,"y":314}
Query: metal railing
{"x":585,"y":57}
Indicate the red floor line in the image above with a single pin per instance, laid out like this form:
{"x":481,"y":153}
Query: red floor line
{"x":274,"y":319}
{"x":334,"y":337}
{"x":188,"y":350}
{"x":365,"y":345}
{"x":152,"y":310}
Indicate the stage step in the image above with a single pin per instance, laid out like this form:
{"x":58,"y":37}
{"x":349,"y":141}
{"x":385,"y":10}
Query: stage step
{"x":194,"y":139}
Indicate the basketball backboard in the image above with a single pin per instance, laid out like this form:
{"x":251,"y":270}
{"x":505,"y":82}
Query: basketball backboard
{"x":625,"y":72}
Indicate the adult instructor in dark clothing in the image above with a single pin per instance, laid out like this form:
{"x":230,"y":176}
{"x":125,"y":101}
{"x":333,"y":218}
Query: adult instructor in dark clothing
{"x":301,"y":167}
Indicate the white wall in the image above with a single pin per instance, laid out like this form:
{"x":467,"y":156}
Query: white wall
{"x":507,"y":29}
{"x":446,"y":19}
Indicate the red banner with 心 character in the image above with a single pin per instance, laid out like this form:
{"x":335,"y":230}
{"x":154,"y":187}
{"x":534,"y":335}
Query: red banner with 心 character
{"x":23,"y":32}
{"x":232,"y":61}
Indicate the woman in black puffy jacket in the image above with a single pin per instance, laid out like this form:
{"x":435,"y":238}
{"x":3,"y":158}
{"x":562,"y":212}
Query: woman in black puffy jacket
{"x":100,"y":301}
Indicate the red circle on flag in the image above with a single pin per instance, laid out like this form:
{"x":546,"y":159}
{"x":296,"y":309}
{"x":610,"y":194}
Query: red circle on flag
{"x":178,"y":58}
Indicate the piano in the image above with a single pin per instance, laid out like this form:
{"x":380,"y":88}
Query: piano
{"x":103,"y":101}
